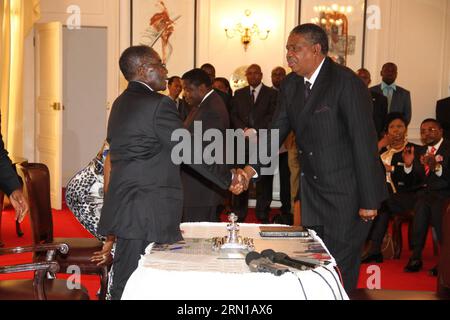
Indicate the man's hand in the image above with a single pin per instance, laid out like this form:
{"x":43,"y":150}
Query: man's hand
{"x":249,"y":173}
{"x":104,"y":256}
{"x":238,"y":183}
{"x":384,"y":142}
{"x":408,"y":156}
{"x":20,"y":204}
{"x":367,"y":214}
{"x":429,"y":160}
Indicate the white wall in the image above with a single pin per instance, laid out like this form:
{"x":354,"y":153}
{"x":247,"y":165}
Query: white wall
{"x":228,"y":54}
{"x":414,"y":34}
{"x":95,"y":13}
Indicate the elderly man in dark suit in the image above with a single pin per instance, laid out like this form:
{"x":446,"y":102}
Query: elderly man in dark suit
{"x":252,"y":109}
{"x":145,"y":196}
{"x":399,"y":99}
{"x":342,"y":180}
{"x":201,"y":196}
{"x":379,"y":101}
{"x":10,"y":185}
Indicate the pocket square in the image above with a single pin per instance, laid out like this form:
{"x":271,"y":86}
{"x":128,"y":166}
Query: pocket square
{"x":322,"y":109}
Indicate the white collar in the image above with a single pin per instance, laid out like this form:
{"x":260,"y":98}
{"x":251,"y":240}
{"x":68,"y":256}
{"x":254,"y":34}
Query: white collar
{"x":144,"y":84}
{"x":206,"y":96}
{"x":315,"y":74}
{"x":257,"y":88}
{"x":437,"y":145}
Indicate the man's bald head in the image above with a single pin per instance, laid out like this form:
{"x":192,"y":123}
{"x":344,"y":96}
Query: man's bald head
{"x":278,"y":74}
{"x":364,"y":74}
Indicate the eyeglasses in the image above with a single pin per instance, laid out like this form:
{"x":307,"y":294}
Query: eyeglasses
{"x":430,"y":130}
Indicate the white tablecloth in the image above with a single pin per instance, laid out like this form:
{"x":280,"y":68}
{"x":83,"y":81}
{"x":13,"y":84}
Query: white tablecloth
{"x":189,"y":274}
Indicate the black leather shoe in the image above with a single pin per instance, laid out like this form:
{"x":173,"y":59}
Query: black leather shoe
{"x":375,"y":257}
{"x":433,"y":272}
{"x":414,"y":265}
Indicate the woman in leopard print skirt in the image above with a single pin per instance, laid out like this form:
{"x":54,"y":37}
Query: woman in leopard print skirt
{"x":84,"y":197}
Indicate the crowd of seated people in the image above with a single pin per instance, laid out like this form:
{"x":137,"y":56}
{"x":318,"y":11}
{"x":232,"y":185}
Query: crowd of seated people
{"x":417,"y":176}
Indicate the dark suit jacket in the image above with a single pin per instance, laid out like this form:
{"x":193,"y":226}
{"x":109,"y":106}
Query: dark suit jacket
{"x":443,"y":115}
{"x":226,"y":99}
{"x":401,"y":101}
{"x":8,"y":177}
{"x":199,"y":191}
{"x":259,"y":116}
{"x":380,"y":106}
{"x":432,"y":181}
{"x":145,"y":195}
{"x":183,"y":108}
{"x":337,"y":143}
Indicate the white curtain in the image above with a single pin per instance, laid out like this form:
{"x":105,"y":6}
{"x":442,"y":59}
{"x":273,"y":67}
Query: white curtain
{"x":16,"y":21}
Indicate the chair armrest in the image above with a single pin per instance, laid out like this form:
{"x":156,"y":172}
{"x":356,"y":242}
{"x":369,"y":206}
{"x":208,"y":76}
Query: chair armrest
{"x":40,"y":270}
{"x":63,"y":248}
{"x":50,"y":266}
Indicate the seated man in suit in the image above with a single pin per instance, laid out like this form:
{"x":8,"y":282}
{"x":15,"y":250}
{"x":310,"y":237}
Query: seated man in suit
{"x":380,"y":103}
{"x":443,"y":115}
{"x":252,"y":109}
{"x":201,"y":196}
{"x":399,"y":99}
{"x":433,"y":170}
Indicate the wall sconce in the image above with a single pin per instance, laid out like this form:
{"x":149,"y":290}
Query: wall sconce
{"x":246,"y":29}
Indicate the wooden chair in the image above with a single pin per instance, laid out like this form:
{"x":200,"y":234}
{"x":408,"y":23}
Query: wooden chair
{"x":38,"y":288}
{"x":36,"y":179}
{"x":297,"y":213}
{"x":443,"y":279}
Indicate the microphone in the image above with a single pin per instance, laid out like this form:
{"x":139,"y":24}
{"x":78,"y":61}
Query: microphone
{"x":258,"y":263}
{"x":283,"y":258}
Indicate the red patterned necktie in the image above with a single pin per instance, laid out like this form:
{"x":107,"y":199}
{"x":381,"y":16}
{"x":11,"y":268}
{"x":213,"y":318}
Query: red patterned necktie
{"x":427,"y":167}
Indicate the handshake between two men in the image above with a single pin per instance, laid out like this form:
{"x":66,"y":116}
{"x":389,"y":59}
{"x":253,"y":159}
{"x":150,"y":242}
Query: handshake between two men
{"x":241,"y":179}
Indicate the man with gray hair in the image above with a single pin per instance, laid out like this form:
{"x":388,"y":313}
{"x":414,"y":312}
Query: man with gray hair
{"x":145,"y":196}
{"x":342,"y":181}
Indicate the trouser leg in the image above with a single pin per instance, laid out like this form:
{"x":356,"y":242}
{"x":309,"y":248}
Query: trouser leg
{"x":126,"y":258}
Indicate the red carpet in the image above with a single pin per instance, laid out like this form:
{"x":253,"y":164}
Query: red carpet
{"x":65,"y":225}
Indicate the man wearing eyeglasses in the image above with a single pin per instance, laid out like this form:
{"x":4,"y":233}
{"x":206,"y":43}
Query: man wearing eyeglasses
{"x":433,"y":171}
{"x":145,"y":197}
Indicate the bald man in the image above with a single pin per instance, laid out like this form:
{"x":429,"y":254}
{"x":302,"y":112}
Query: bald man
{"x":252,"y":109}
{"x":379,"y":101}
{"x":399,"y":99}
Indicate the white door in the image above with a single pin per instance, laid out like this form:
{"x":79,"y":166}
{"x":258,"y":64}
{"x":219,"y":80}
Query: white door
{"x":49,"y":97}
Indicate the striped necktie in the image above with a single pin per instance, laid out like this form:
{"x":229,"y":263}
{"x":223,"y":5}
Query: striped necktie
{"x":307,"y":90}
{"x":427,"y":167}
